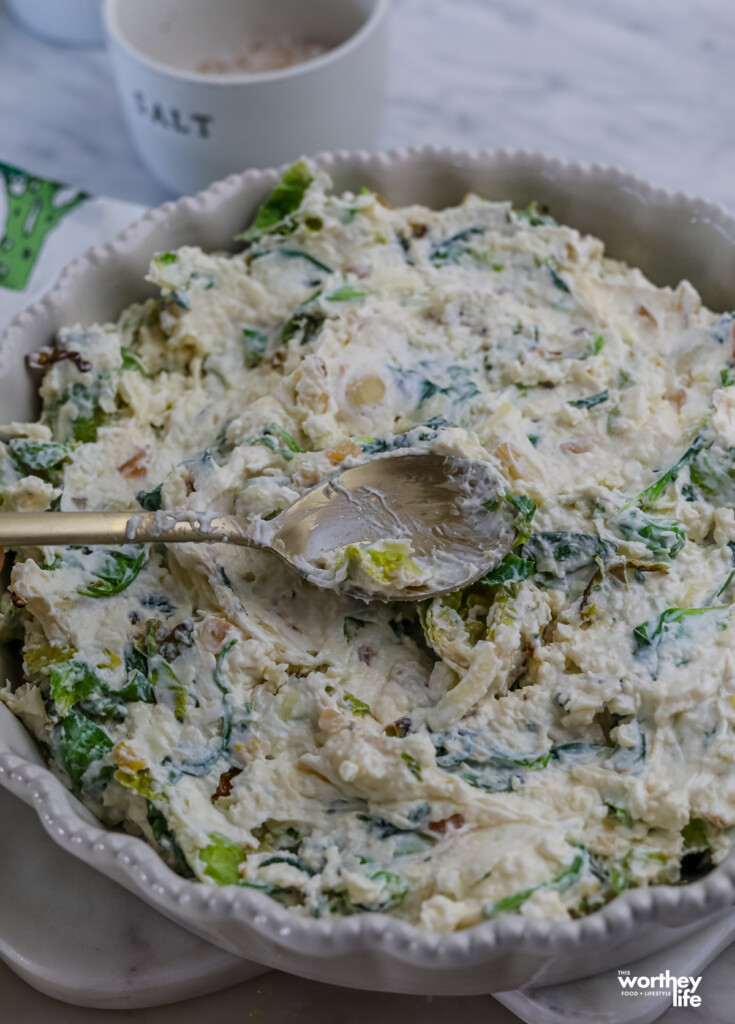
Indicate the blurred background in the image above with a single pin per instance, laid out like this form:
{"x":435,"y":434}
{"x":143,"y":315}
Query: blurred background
{"x":643,"y":85}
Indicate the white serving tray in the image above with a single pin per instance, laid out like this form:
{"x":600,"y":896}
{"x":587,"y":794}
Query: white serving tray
{"x":75,"y":935}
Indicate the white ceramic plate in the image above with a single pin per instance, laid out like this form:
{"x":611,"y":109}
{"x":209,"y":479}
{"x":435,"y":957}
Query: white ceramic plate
{"x":669,"y":236}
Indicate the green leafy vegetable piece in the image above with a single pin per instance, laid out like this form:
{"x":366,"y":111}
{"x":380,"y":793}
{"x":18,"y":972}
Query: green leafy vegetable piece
{"x":723,"y":331}
{"x":145,"y":660}
{"x":120,"y":568}
{"x":85,"y":427}
{"x":299,"y":254}
{"x":525,"y":509}
{"x":256,"y":343}
{"x":305,"y":321}
{"x":395,"y":890}
{"x":648,"y":636}
{"x":591,"y":401}
{"x":38,"y":457}
{"x":347,"y":293}
{"x":165,"y":837}
{"x":664,"y":538}
{"x":556,"y":278}
{"x":727,"y":377}
{"x":204,"y":764}
{"x":561,"y":882}
{"x":275,"y":437}
{"x":165,"y":259}
{"x":89,"y":415}
{"x":620,"y":879}
{"x":652,"y":493}
{"x":694,"y":835}
{"x":130,"y":361}
{"x":138,"y":687}
{"x":274,"y":215}
{"x":470,"y":754}
{"x":512,"y":569}
{"x":574,"y":550}
{"x":222,"y":859}
{"x":621,"y":815}
{"x":451,"y":249}
{"x":81,"y":747}
{"x":712,"y":472}
{"x":413,"y":765}
{"x":535,"y":218}
{"x":150,"y":500}
{"x":357,"y":707}
{"x":421,"y":382}
{"x":72,"y":682}
{"x":426,"y":432}
{"x":595,"y":346}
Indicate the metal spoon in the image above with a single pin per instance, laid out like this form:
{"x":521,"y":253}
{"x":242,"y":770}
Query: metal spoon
{"x":448,"y":508}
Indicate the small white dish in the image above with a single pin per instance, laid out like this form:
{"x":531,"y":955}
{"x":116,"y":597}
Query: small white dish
{"x":670,"y":236}
{"x":191,"y":128}
{"x":124,"y":955}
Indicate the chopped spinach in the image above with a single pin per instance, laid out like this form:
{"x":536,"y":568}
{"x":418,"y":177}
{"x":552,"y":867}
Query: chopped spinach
{"x":525,"y":509}
{"x":275,"y":216}
{"x":557,"y":280}
{"x":562,"y":881}
{"x":72,"y":682}
{"x":712,"y":473}
{"x":420,"y":383}
{"x":150,"y":500}
{"x":165,"y":837}
{"x":653,"y":492}
{"x":130,"y":361}
{"x":451,"y":249}
{"x":648,"y":636}
{"x":471,"y":755}
{"x":202,"y":765}
{"x":413,"y":765}
{"x":512,"y":569}
{"x":664,"y":538}
{"x":256,"y":343}
{"x":534,"y":217}
{"x":299,"y":254}
{"x":575,"y":550}
{"x":39,"y":458}
{"x":425,"y":432}
{"x":591,"y":401}
{"x":275,"y":437}
{"x":347,"y":293}
{"x":119,"y":569}
{"x":305,"y":322}
{"x":723,"y":331}
{"x":81,"y":747}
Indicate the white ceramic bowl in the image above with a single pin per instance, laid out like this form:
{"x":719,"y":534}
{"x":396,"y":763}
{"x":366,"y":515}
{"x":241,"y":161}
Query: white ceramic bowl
{"x":192,"y":128}
{"x":670,"y":237}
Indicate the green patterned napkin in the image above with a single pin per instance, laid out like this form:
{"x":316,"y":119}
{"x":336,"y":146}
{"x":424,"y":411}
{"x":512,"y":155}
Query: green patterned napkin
{"x":46,"y":225}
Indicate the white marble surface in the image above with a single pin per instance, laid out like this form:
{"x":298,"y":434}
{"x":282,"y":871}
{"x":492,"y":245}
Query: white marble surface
{"x":646,"y":85}
{"x":642,"y":83}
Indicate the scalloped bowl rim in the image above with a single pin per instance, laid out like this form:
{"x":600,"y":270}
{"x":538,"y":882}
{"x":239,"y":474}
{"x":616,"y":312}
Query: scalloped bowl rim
{"x":136,"y":865}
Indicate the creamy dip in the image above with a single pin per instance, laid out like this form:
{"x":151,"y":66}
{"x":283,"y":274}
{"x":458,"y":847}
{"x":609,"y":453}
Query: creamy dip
{"x":536,"y":743}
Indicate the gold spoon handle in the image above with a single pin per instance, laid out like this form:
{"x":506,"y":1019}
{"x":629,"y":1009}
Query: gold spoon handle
{"x":37,"y":529}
